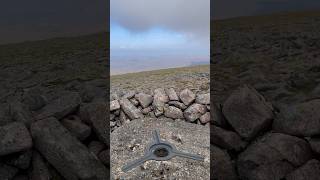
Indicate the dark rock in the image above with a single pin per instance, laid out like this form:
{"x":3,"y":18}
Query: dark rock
{"x":178,"y":104}
{"x":34,"y":99}
{"x":130,"y":109}
{"x":7,"y":172}
{"x":114,"y":105}
{"x":205,"y":118}
{"x":21,"y":177}
{"x":20,"y":113}
{"x":172,"y":94}
{"x":187,"y":97}
{"x":217,"y":117}
{"x":247,"y":112}
{"x":194,"y":112}
{"x":67,"y":154}
{"x":76,"y":128}
{"x":300,"y":120}
{"x":173,"y":112}
{"x":89,"y":92}
{"x":40,"y":170}
{"x":309,"y":171}
{"x":273,"y":156}
{"x":20,"y":160}
{"x":226,"y":139}
{"x":104,"y":157}
{"x":222,"y":165}
{"x":5,"y":117}
{"x":144,"y":99}
{"x":59,"y":108}
{"x":14,"y":137}
{"x":203,"y":99}
{"x":95,"y":114}
{"x":315,"y":144}
{"x":96,"y":147}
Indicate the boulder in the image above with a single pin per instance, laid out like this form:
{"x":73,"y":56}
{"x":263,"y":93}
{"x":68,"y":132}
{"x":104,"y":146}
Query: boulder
{"x":217,"y":117}
{"x":20,"y":113}
{"x":20,"y":160}
{"x":222,"y":165}
{"x":60,"y":107}
{"x":203,"y":99}
{"x":299,"y":120}
{"x":129,"y":95}
{"x":194,"y":112}
{"x":114,"y":105}
{"x":205,"y":118}
{"x":131,"y":111}
{"x":7,"y":172}
{"x":273,"y":156}
{"x":144,"y":99}
{"x":34,"y":99}
{"x":65,"y":152}
{"x":40,"y":170}
{"x":173,"y":112}
{"x":77,"y":128}
{"x":226,"y":139}
{"x":309,"y":171}
{"x":315,"y":144}
{"x":247,"y":112}
{"x":159,"y":99}
{"x":172,"y":94}
{"x":178,"y":104}
{"x":14,"y":137}
{"x":5,"y":117}
{"x":96,"y":147}
{"x":187,"y":96}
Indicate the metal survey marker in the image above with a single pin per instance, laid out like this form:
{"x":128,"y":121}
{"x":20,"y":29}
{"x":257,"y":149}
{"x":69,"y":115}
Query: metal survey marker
{"x":160,"y":151}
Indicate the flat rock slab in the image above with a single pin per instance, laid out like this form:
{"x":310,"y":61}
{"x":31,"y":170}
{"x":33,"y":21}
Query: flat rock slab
{"x":128,"y":143}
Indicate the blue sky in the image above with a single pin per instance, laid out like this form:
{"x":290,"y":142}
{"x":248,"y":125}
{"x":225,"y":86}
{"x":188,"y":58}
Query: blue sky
{"x":146,"y":37}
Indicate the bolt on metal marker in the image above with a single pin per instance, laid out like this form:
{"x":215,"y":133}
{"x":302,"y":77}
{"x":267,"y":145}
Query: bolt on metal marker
{"x":160,"y":151}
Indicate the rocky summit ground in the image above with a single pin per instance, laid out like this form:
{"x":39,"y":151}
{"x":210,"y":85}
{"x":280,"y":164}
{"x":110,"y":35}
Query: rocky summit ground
{"x":264,"y":117}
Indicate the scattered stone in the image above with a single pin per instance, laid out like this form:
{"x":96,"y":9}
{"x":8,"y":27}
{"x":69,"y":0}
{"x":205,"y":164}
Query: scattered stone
{"x":173,"y":112}
{"x":59,"y":108}
{"x":20,"y":113}
{"x":172,"y":94}
{"x":247,"y":112}
{"x":96,"y":147}
{"x":203,"y":99}
{"x":222,"y":165}
{"x":178,"y":104}
{"x":114,"y":105}
{"x":40,"y":170}
{"x":144,"y":99}
{"x":273,"y":156}
{"x":205,"y":118}
{"x":95,"y":114}
{"x":195,"y":111}
{"x":300,"y":120}
{"x":7,"y":172}
{"x":14,"y":137}
{"x":309,"y":171}
{"x":130,"y":109}
{"x":187,"y":97}
{"x":226,"y":139}
{"x":20,"y":160}
{"x":77,"y":129}
{"x":67,"y":154}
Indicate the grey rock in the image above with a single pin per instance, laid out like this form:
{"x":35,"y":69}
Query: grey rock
{"x":315,"y":144}
{"x":172,"y":94}
{"x":113,"y":124}
{"x":112,"y":117}
{"x":20,"y":113}
{"x":187,"y":96}
{"x":114,"y":96}
{"x":20,"y":160}
{"x":132,"y":138}
{"x":117,"y":112}
{"x":178,"y":104}
{"x":222,"y":165}
{"x":40,"y":170}
{"x":96,"y":147}
{"x":134,"y":102}
{"x":14,"y":137}
{"x":7,"y":172}
{"x":300,"y":120}
{"x":205,"y":118}
{"x":247,"y":112}
{"x":95,"y":114}
{"x":273,"y":156}
{"x":194,"y":112}
{"x":203,"y":98}
{"x":173,"y":112}
{"x":66,"y":153}
{"x":130,"y":109}
{"x":309,"y":171}
{"x":146,"y":110}
{"x":122,"y":117}
{"x":114,"y":105}
{"x":129,"y":95}
{"x":144,"y":99}
{"x":226,"y":139}
{"x":159,"y":99}
{"x":59,"y":108}
{"x":77,"y":129}
{"x":34,"y":99}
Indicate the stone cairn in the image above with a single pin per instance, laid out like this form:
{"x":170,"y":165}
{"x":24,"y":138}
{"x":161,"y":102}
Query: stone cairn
{"x":251,"y":139}
{"x":188,"y":106}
